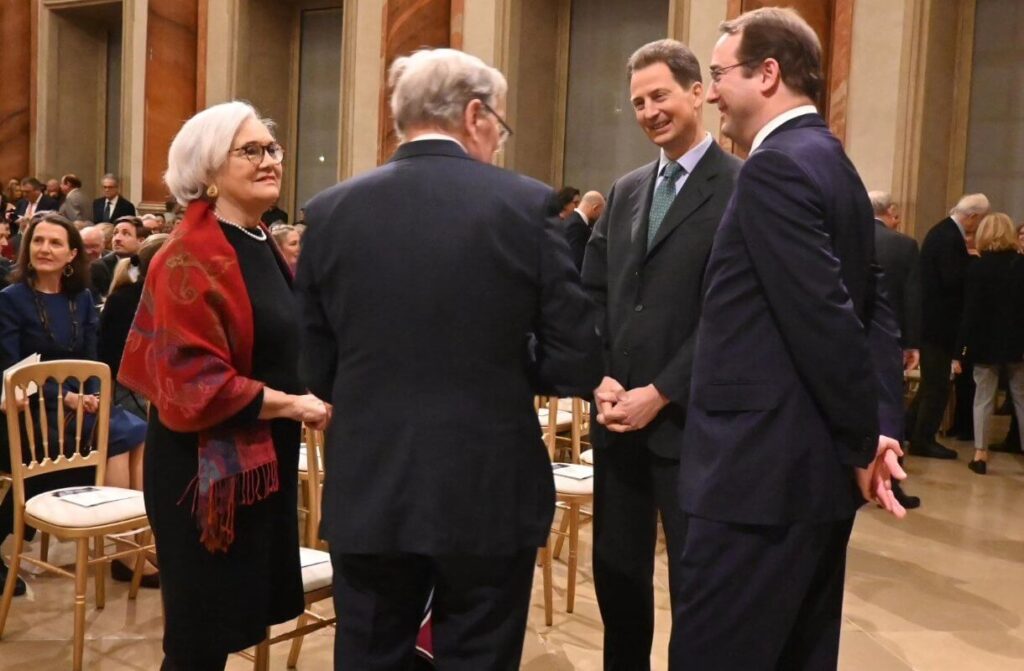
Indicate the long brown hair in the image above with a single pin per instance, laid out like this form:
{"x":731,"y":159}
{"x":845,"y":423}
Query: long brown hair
{"x":71,"y":285}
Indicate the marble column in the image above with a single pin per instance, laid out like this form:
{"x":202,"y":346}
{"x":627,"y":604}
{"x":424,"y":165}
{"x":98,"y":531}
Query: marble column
{"x":409,"y":25}
{"x":15,"y":83}
{"x":172,"y":82}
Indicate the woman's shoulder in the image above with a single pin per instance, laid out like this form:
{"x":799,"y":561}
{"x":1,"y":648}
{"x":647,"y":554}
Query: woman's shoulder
{"x":16,"y":292}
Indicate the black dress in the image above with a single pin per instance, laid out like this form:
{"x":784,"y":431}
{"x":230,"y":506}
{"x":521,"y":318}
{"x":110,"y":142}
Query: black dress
{"x":215,"y":603}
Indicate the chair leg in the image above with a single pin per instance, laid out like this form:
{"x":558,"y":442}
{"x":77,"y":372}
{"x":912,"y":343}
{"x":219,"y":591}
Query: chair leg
{"x":44,"y":546}
{"x":262,"y":656}
{"x":574,"y":542}
{"x":296,"y":647}
{"x":12,"y":575}
{"x":140,"y":563}
{"x":545,"y":561}
{"x":562,"y":526}
{"x":81,"y":578}
{"x":101,"y":573}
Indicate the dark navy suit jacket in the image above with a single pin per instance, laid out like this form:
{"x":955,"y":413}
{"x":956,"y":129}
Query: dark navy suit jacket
{"x":786,"y":393}
{"x":421,"y":283}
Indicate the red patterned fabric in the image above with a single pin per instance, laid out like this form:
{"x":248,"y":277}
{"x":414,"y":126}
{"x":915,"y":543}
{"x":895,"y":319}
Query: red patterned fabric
{"x":189,"y":352}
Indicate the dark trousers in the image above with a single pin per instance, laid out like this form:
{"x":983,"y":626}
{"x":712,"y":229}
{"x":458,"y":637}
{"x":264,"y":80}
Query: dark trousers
{"x":478,"y":616}
{"x":762,"y":598}
{"x":187,"y":663}
{"x":631,"y":485}
{"x":932,"y":395}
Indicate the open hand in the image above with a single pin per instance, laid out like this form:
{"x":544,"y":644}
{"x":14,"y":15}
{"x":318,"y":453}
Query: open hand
{"x":875,"y":481}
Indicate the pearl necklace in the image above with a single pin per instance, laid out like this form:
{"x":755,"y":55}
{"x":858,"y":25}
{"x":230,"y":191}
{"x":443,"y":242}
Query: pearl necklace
{"x":260,"y":234}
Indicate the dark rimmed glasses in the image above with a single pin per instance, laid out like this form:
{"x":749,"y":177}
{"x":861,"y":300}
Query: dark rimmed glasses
{"x":505,"y":132}
{"x":255,"y":152}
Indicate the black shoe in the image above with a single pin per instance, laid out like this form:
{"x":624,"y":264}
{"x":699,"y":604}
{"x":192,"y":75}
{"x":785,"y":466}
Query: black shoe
{"x":122,"y":573}
{"x":932,"y":450}
{"x":1008,"y":448}
{"x":906,"y":500}
{"x":978,"y":466}
{"x":19,"y":586}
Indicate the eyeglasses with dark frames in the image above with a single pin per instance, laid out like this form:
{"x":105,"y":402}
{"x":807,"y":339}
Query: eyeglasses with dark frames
{"x":255,"y":152}
{"x":717,"y":72}
{"x":506,"y":130}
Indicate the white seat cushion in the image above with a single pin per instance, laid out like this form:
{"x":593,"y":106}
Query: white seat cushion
{"x":566,"y":485}
{"x":317,"y":571}
{"x":587,"y":457}
{"x":562,"y":419}
{"x":303,"y":459}
{"x":55,"y":510}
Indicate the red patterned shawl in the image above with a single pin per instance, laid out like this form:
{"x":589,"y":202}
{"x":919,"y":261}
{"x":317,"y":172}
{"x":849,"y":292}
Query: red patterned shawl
{"x":189,"y":352}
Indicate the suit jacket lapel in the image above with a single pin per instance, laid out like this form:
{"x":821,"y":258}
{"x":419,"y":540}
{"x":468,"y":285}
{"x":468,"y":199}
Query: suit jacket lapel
{"x":695,"y":192}
{"x":641,"y":199}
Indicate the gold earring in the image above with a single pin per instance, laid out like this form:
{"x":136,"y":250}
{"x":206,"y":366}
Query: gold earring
{"x":68,"y":270}
{"x":212,"y":191}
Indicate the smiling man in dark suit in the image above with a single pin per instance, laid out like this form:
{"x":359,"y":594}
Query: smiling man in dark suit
{"x":795,"y":357}
{"x":644,"y":265}
{"x":421,"y":284}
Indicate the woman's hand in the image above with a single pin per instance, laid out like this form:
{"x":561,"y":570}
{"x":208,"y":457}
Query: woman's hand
{"x":310,"y":410}
{"x":90,"y":402}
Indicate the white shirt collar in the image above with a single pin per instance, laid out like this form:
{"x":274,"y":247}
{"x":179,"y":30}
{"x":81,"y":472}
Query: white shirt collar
{"x":582,"y":216}
{"x":788,"y":115}
{"x":690,"y":159}
{"x":437,"y":136}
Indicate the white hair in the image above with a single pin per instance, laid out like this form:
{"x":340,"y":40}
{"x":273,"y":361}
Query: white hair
{"x":881,"y":201}
{"x":972,"y":203}
{"x":201,"y":147}
{"x":433,"y":86}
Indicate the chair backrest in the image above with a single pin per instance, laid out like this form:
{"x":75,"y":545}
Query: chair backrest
{"x":29,"y":419}
{"x":314,"y":475}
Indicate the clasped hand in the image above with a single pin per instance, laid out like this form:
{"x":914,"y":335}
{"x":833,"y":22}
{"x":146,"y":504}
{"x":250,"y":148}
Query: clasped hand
{"x":621,"y":410}
{"x":875,"y":481}
{"x":90,"y":402}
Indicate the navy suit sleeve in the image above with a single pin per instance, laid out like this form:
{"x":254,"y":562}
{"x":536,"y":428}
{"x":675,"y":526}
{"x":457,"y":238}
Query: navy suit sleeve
{"x":576,"y":234}
{"x":595,"y":275}
{"x":318,"y":358}
{"x":974,"y":293}
{"x":887,"y":359}
{"x":781,"y":217}
{"x":568,"y":350}
{"x":912,"y":298}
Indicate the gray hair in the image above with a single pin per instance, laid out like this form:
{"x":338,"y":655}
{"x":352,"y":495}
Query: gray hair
{"x":433,"y":86}
{"x":971,"y":204}
{"x":112,"y":176}
{"x":201,"y":147}
{"x":881,"y":201}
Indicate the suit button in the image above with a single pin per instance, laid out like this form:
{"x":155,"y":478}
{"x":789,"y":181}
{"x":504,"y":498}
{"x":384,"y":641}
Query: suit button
{"x":639,"y":307}
{"x":625,"y":352}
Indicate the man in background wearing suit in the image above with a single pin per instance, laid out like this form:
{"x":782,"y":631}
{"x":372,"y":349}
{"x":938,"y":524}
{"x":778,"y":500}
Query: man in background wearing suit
{"x":782,"y":441}
{"x":944,"y":259}
{"x":75,"y":206}
{"x":421,"y":284}
{"x":644,"y":266}
{"x":896,"y":255}
{"x":33,"y":200}
{"x":111,"y":206}
{"x":579,"y":224}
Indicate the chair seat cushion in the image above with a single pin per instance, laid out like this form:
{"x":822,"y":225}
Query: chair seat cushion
{"x":587,"y":457}
{"x":304,"y":457}
{"x":317,"y":571}
{"x":50,"y":507}
{"x":574,"y":487}
{"x":563,"y":418}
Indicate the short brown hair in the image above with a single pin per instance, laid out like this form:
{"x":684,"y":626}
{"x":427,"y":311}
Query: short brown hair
{"x":677,"y":56}
{"x":141,"y":232}
{"x":72,"y":181}
{"x":71,"y":285}
{"x":781,"y":34}
{"x":996,"y":233}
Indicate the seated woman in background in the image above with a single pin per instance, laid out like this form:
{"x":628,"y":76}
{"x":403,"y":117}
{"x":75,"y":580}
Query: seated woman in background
{"x":48,"y":310}
{"x":116,"y":319}
{"x":992,"y":329}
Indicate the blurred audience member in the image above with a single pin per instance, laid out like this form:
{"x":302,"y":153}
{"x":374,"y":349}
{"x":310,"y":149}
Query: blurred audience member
{"x":33,"y":200}
{"x":111,"y":206}
{"x":54,"y":191}
{"x":274,"y":215}
{"x":289,"y":242}
{"x":75,"y":206}
{"x":580,"y":223}
{"x":92,"y":238}
{"x":128,"y":236}
{"x":992,"y":329}
{"x":567,"y":199}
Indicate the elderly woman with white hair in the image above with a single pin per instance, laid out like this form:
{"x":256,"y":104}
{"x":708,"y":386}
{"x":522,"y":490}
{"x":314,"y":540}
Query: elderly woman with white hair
{"x":214,"y":346}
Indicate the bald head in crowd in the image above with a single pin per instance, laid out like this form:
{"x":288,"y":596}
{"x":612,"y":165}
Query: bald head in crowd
{"x":886,"y":210}
{"x":592,"y":205}
{"x":94,"y":242}
{"x":970,"y":210}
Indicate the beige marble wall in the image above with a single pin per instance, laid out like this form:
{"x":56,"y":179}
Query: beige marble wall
{"x":872,"y":128}
{"x":704,"y":17}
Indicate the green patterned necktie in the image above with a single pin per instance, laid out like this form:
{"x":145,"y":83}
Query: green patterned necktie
{"x":663,"y":197}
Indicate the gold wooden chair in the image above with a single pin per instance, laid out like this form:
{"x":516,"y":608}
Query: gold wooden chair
{"x":311,"y":487}
{"x":571,"y":496}
{"x":51,"y":512}
{"x":317,"y":572}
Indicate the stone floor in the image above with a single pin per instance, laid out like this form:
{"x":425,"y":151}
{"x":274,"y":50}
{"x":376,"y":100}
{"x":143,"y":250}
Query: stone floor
{"x":942,"y":590}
